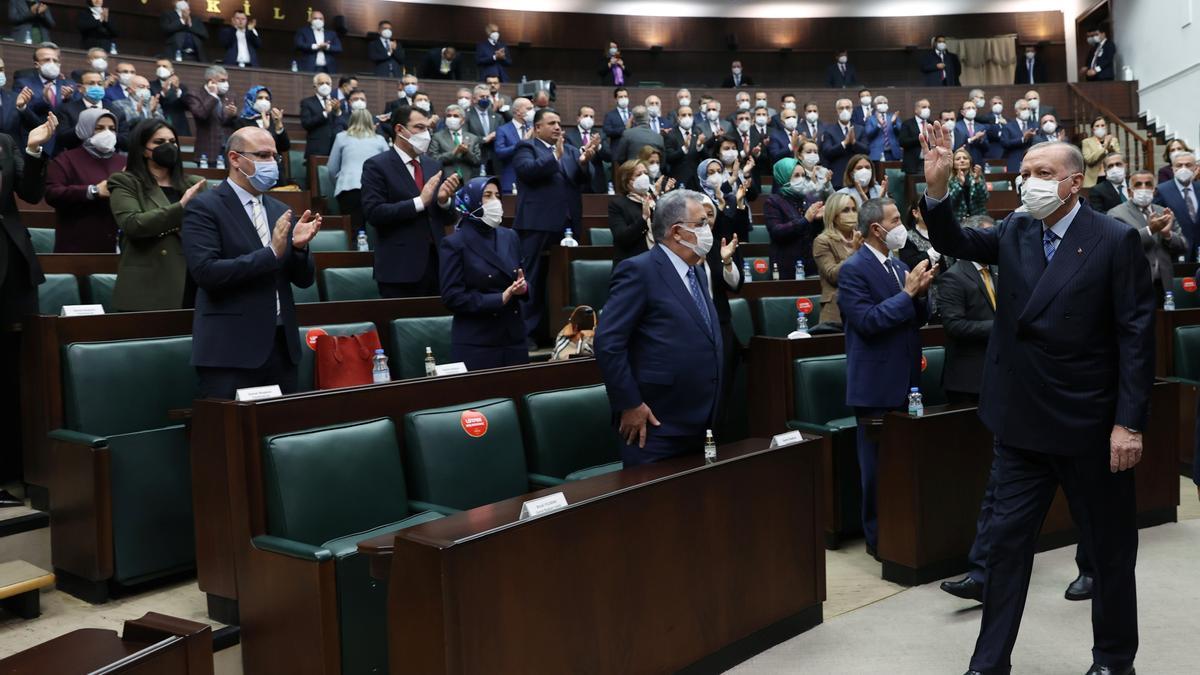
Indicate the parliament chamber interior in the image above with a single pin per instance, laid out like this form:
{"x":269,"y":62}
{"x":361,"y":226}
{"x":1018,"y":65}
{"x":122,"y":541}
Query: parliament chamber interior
{"x":479,"y":433}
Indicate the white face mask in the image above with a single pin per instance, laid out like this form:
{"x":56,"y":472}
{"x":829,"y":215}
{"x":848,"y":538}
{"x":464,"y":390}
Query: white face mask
{"x":493,"y":213}
{"x":1030,"y":55}
{"x":1033,"y":103}
{"x":790,"y":105}
{"x":715,"y":180}
{"x":862,"y":177}
{"x":810,"y":159}
{"x":760,"y":103}
{"x":623,"y":102}
{"x":104,"y":141}
{"x":318,"y":24}
{"x":653,"y":110}
{"x":685,"y":122}
{"x":223,"y":88}
{"x":654,"y":170}
{"x":358,"y":104}
{"x":419,"y":142}
{"x":843,"y":59}
{"x":1049,"y":128}
{"x":704,"y":240}
{"x":737,"y":71}
{"x":969,"y":113}
{"x":612,"y":51}
{"x":865,"y":100}
{"x":1115,"y":175}
{"x":896,"y":238}
{"x":641,"y":184}
{"x":1143,"y":197}
{"x":143,"y":94}
{"x":978,"y":103}
{"x":421,"y":105}
{"x":262,"y":105}
{"x":743,"y":126}
{"x":464,"y":103}
{"x":586,"y":123}
{"x":528,"y":115}
{"x":997,"y":108}
{"x":1040,"y":197}
{"x":1184,"y":175}
{"x":948,"y":125}
{"x":453,"y":123}
{"x":923,"y":113}
{"x":882,"y":107}
{"x":743,"y":105}
{"x":163,"y":72}
{"x":181,"y":6}
{"x":712,"y":115}
{"x":797,"y":183}
{"x":789,"y":123}
{"x":845,"y":115}
{"x":1100,"y":132}
{"x":125,"y":78}
{"x":1023,"y":115}
{"x":812,"y":117}
{"x":324,"y":89}
{"x":941,"y":46}
{"x":494,"y":36}
{"x":386,"y":33}
{"x":760,"y":120}
{"x":49,"y":70}
{"x":728,"y":157}
{"x":100,"y":65}
{"x":685,"y":102}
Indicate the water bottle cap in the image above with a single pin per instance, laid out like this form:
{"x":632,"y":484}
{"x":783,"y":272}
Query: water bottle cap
{"x":914,"y":390}
{"x":378,"y":351}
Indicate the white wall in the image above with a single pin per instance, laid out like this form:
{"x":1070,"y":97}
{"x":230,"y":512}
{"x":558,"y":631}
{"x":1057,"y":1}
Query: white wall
{"x":1160,"y":40}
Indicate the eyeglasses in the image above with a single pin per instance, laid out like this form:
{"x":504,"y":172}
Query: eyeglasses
{"x":264,"y":156}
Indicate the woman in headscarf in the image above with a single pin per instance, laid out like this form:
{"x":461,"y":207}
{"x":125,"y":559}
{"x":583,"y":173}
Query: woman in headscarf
{"x":77,"y":186}
{"x":793,"y":220}
{"x":482,"y":282}
{"x":733,"y":215}
{"x":257,"y":111}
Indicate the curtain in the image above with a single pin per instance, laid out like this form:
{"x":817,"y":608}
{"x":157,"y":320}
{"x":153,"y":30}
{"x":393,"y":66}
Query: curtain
{"x":986,"y":60}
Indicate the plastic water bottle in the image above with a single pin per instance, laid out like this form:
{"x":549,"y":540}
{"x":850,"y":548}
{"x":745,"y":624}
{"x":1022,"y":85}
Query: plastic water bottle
{"x":363,"y":244}
{"x":710,"y":447}
{"x":800,"y":274}
{"x":611,"y":191}
{"x":801,"y":331}
{"x":28,"y":37}
{"x":178,"y":56}
{"x":915,"y":407}
{"x":774,"y":271}
{"x":221,"y":161}
{"x":430,"y":364}
{"x":295,"y":67}
{"x":203,"y":161}
{"x":523,"y":79}
{"x":747,"y":272}
{"x":1169,"y":301}
{"x":568,"y":239}
{"x":112,"y":48}
{"x":379,"y":368}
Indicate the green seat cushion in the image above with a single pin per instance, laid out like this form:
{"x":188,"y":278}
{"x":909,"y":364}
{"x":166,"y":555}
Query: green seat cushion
{"x":778,"y":314}
{"x":304,"y":369}
{"x":43,"y":239}
{"x":124,"y":386}
{"x":743,"y":323}
{"x":100,"y":289}
{"x":820,"y":389}
{"x":349,"y":283}
{"x":1185,"y":299}
{"x":310,"y":294}
{"x":931,"y":377}
{"x":568,"y":430}
{"x":1186,"y":352}
{"x":447,"y":466}
{"x":329,"y":240}
{"x":600,"y":236}
{"x":759,"y":235}
{"x":410,"y":337}
{"x":589,"y":282}
{"x":57,"y":290}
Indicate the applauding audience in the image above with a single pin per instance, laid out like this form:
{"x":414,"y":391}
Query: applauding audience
{"x":213,"y":112}
{"x":455,"y":147}
{"x":631,"y":211}
{"x":859,"y":180}
{"x":793,"y":219}
{"x":77,"y":186}
{"x":968,"y":189}
{"x":257,"y":111}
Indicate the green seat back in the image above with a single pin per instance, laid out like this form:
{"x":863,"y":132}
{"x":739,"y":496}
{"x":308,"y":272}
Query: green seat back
{"x":777,"y":315}
{"x":310,"y":294}
{"x":755,"y":274}
{"x":57,"y":290}
{"x":43,"y":239}
{"x":568,"y":430}
{"x":820,"y":389}
{"x":304,"y":370}
{"x":1000,"y":185}
{"x":329,"y":240}
{"x":349,"y":283}
{"x":600,"y":236}
{"x":931,"y":377}
{"x":1185,"y":299}
{"x":124,"y":386}
{"x":296,"y":166}
{"x":743,"y":323}
{"x":410,"y":337}
{"x":100,"y":289}
{"x":326,"y":185}
{"x":896,"y":188}
{"x":449,"y":467}
{"x":589,"y":282}
{"x":759,"y":235}
{"x":1187,"y":353}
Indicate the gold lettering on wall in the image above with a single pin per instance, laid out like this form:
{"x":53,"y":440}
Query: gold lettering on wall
{"x":246,"y":7}
{"x":214,"y":6}
{"x":278,"y":16}
{"x":308,"y":14}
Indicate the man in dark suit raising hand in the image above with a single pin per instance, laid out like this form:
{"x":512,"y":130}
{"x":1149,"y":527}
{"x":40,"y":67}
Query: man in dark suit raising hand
{"x":1066,"y":389}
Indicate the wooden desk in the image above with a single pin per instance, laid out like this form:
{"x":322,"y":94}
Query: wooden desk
{"x":155,"y":644}
{"x":675,"y":566}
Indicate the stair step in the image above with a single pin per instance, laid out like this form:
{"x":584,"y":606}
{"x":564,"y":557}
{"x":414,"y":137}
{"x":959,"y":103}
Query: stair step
{"x":18,"y":519}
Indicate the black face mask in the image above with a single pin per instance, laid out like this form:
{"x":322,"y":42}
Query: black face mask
{"x":165,"y":155}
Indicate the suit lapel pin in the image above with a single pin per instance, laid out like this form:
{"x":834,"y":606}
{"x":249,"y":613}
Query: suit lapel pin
{"x":1078,"y":251}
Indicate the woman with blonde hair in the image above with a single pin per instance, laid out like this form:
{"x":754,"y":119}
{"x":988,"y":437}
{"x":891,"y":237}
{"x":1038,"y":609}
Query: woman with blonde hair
{"x":838,"y":240}
{"x":352,"y":148}
{"x":1098,"y":145}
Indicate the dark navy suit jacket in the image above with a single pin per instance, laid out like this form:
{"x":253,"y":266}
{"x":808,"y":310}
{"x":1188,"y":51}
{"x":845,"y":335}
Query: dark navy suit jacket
{"x":1015,"y":145}
{"x":614,"y":126}
{"x":1168,"y":195}
{"x":475,"y":271}
{"x":486,"y":62}
{"x":35,"y":111}
{"x":548,"y":189}
{"x":1072,"y":346}
{"x":979,"y":148}
{"x":507,"y":138}
{"x":1105,"y":64}
{"x":228,"y":37}
{"x":237,"y":279}
{"x":883,"y":348}
{"x":388,"y":190}
{"x":308,"y":56}
{"x":653,"y":346}
{"x":835,"y":155}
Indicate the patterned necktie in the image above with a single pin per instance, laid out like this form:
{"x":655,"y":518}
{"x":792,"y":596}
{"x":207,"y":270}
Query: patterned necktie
{"x":1049,"y":244}
{"x":259,"y":216}
{"x":894,"y":273}
{"x":698,"y":297}
{"x":1189,"y":198}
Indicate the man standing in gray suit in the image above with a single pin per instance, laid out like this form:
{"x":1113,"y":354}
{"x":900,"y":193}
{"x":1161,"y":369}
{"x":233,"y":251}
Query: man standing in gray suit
{"x":638,"y":135}
{"x":455,"y":147}
{"x":1162,"y":238}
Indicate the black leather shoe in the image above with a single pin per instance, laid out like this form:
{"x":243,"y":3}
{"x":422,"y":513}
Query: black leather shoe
{"x":1080,"y":589}
{"x":965,"y":588}
{"x":1097,"y":669}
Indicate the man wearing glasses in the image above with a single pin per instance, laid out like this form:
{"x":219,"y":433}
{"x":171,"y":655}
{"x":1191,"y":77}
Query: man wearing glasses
{"x":245,"y":250}
{"x":659,"y":345}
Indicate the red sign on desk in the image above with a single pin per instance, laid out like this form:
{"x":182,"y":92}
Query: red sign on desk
{"x":311,"y":337}
{"x":474,"y":423}
{"x":804,"y":305}
{"x":924,"y":363}
{"x":1189,"y":284}
{"x":760,"y":265}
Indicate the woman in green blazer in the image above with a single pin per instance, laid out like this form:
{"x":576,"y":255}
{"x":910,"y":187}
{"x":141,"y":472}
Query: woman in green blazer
{"x":147,"y":201}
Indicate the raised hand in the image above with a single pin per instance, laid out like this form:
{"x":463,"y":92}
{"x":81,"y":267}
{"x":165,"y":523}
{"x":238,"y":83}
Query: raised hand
{"x":192,"y":192}
{"x":728,"y":247}
{"x":939,"y":160}
{"x":446,"y":191}
{"x":430,"y":188}
{"x":306,"y":229}
{"x":918,"y":280}
{"x":279,"y":233}
{"x":856,"y":240}
{"x":1159,"y":222}
{"x":39,"y":135}
{"x":814,"y":211}
{"x":24,"y":97}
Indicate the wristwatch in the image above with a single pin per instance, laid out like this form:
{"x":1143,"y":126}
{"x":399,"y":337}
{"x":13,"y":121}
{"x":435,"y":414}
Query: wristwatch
{"x":92,"y":191}
{"x":1130,"y":429}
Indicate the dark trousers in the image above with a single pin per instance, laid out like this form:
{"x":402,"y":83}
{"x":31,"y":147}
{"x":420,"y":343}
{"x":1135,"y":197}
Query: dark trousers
{"x":660,"y":447}
{"x":1103,"y":506}
{"x":868,"y":462}
{"x":1196,"y":449}
{"x":533,"y":242}
{"x":277,"y":369}
{"x":18,"y":299}
{"x":961,"y":398}
{"x":479,"y":357}
{"x":350,"y":203}
{"x":426,"y":286}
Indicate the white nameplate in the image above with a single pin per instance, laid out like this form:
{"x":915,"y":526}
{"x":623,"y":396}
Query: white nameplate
{"x":451,"y":369}
{"x":542,"y":505}
{"x":790,"y":438}
{"x":82,"y":310}
{"x":258,"y":393}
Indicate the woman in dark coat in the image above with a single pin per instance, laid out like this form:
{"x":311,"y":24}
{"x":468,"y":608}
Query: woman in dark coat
{"x":77,"y":186}
{"x":629,"y":210}
{"x":482,"y":282}
{"x":793,"y":221}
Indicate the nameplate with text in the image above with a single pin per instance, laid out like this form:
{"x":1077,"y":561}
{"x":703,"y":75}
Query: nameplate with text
{"x":542,"y":505}
{"x":451,"y":369}
{"x":258,"y":393}
{"x":82,"y":310}
{"x":790,"y":438}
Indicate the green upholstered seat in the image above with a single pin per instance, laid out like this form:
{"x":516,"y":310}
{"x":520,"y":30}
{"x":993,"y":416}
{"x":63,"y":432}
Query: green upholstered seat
{"x":326,"y":185}
{"x":451,"y":469}
{"x":1185,"y":299}
{"x":329,"y":240}
{"x":600,"y":236}
{"x":1186,"y":353}
{"x":777,"y":316}
{"x":1000,"y":185}
{"x":743,"y":323}
{"x":296,"y":166}
{"x":349,"y":283}
{"x":304,"y":374}
{"x":759,"y":235}
{"x":410,"y":337}
{"x":570,"y":432}
{"x":755,"y":274}
{"x":118,"y":394}
{"x":896,"y":188}
{"x":100,"y":289}
{"x":43,"y":239}
{"x":589,"y":282}
{"x":931,"y":377}
{"x":310,"y":294}
{"x":57,"y":290}
{"x":356,"y":471}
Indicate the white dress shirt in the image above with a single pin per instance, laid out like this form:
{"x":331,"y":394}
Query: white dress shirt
{"x":418,"y":204}
{"x":318,"y":38}
{"x":243,"y":48}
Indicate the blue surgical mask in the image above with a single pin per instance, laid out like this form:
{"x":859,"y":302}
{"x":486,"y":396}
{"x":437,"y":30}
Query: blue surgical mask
{"x":484,"y":103}
{"x":410,"y":89}
{"x":94,"y":93}
{"x":266,"y":174}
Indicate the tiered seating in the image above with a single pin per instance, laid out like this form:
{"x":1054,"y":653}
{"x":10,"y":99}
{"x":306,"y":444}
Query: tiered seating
{"x":569,"y":435}
{"x":777,"y":316}
{"x":57,"y":290}
{"x":410,"y":337}
{"x":305,"y":369}
{"x":349,"y":283}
